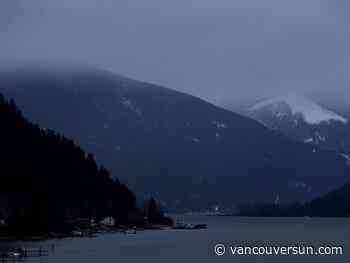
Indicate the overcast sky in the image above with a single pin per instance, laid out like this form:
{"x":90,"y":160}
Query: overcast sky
{"x":221,"y":50}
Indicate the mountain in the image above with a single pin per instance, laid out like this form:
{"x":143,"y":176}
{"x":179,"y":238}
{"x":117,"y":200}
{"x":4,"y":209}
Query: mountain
{"x":299,"y":107}
{"x":333,"y":204}
{"x":304,"y":120}
{"x":47,"y":180}
{"x":185,"y":151}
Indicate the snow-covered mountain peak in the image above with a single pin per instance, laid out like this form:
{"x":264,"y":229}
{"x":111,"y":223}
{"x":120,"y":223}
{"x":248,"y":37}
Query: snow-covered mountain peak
{"x":311,"y":112}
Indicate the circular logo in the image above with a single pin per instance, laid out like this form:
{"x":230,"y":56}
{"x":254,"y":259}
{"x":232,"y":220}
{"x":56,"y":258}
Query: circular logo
{"x":219,"y":249}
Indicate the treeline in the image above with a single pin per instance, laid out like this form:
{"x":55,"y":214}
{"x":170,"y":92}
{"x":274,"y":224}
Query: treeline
{"x":46,"y":180}
{"x":333,"y":204}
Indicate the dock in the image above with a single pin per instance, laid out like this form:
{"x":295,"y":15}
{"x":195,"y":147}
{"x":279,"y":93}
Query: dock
{"x":19,"y":254}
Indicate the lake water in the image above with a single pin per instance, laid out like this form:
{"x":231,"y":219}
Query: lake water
{"x":198,"y":245}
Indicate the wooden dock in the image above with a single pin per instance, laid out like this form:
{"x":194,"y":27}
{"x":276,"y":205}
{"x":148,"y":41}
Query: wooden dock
{"x":19,"y":254}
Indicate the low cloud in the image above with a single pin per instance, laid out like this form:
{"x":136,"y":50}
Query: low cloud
{"x":223,"y":51}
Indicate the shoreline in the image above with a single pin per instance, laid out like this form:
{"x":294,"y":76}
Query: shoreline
{"x":82,"y":233}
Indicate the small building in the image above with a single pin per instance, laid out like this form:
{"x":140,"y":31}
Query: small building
{"x":108,"y":221}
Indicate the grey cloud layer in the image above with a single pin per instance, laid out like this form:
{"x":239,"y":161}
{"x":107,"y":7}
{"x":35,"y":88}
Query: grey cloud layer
{"x":220,"y":50}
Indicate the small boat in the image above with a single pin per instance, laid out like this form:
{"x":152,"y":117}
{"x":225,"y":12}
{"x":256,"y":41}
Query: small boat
{"x":200,"y":226}
{"x":183,"y":226}
{"x":130,"y":231}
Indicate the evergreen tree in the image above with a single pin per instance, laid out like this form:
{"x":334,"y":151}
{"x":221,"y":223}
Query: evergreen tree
{"x":154,"y":213}
{"x":47,"y":180}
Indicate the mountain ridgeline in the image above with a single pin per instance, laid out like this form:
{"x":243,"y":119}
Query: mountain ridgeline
{"x":187,"y":152}
{"x":47,"y":180}
{"x":303,"y":120}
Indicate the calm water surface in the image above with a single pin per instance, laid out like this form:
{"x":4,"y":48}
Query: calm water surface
{"x":198,"y":245}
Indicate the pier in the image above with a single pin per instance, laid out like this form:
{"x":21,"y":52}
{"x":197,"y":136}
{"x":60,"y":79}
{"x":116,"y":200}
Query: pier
{"x":19,"y":254}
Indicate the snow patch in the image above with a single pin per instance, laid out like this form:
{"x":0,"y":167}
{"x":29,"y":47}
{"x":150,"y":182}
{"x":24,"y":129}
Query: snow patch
{"x":131,"y":106}
{"x":280,"y":115}
{"x":196,"y":140}
{"x":311,"y":112}
{"x":346,"y":157}
{"x":316,"y":139}
{"x":309,"y":140}
{"x":296,"y":123}
{"x":301,"y":186}
{"x":219,"y":125}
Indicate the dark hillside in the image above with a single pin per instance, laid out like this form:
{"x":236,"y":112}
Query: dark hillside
{"x":47,"y":180}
